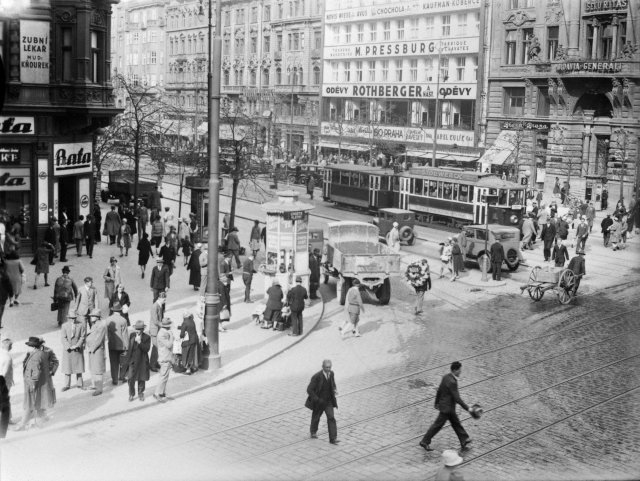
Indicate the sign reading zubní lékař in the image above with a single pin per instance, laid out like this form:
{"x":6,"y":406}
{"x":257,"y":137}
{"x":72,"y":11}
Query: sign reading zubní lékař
{"x":600,"y":67}
{"x":34,"y":52}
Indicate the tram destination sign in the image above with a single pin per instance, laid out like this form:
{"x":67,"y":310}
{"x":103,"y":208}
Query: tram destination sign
{"x":599,"y":67}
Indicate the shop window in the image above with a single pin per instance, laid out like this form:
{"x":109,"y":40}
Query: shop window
{"x":387,"y":30}
{"x":543,"y":102}
{"x":513,"y":101}
{"x":360,"y":37}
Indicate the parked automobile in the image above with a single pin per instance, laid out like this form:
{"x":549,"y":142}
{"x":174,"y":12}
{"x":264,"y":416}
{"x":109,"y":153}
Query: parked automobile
{"x":509,"y":238}
{"x":406,"y":220}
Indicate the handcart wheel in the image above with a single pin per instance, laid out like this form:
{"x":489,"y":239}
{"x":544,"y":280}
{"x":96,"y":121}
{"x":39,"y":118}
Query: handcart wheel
{"x":566,"y":284}
{"x":536,"y":293}
{"x":533,"y":277}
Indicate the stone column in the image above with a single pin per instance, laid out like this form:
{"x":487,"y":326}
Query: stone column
{"x":596,"y":30}
{"x":83,"y":43}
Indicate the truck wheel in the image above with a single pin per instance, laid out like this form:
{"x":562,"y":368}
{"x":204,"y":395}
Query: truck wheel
{"x":412,"y":240}
{"x":346,"y":285}
{"x":406,"y":234}
{"x":384,"y":292}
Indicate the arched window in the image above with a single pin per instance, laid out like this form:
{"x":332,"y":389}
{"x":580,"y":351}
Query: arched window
{"x":253,"y":78}
{"x":299,"y":77}
{"x":227,"y":77}
{"x":278,"y":76}
{"x":265,"y":77}
{"x":316,"y":75}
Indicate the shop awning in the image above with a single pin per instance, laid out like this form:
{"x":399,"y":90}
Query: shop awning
{"x":422,"y":154}
{"x":345,"y":146}
{"x":501,"y":151}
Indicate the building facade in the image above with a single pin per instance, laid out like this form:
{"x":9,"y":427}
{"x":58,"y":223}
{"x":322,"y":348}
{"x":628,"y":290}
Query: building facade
{"x":402,"y":78}
{"x":56,"y":57}
{"x":564,"y":95}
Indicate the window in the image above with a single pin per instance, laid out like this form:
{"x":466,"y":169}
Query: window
{"x":385,"y":70}
{"x":527,"y":34}
{"x":428,"y":70}
{"x":413,"y":70}
{"x":226,"y":77}
{"x":477,"y":22}
{"x":444,"y":69}
{"x":399,"y":70}
{"x":153,"y":58}
{"x":372,"y":70}
{"x":360,"y":37}
{"x":513,"y":101}
{"x":606,"y":43}
{"x":317,"y":39}
{"x":347,"y":34}
{"x":316,"y":76}
{"x":267,"y":13}
{"x":239,"y":46}
{"x":461,"y":62}
{"x":347,"y":72}
{"x":415,"y":22}
{"x":400,"y":30}
{"x":429,"y":26}
{"x":66,"y":55}
{"x":240,"y":15}
{"x":552,"y":42}
{"x":510,"y":47}
{"x":278,"y":76}
{"x":334,"y":70}
{"x":359,"y":71}
{"x":265,"y":77}
{"x":387,"y":30}
{"x":543,"y":102}
{"x":266,"y":43}
{"x":373,"y":31}
{"x":279,"y":42}
{"x":280,"y":10}
{"x":336,"y":34}
{"x":136,"y":37}
{"x":446,"y":25}
{"x":254,"y":14}
{"x":462,"y":24}
{"x":226,"y":45}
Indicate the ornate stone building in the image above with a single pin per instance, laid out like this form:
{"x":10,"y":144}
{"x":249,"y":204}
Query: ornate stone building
{"x":564,"y":95}
{"x":56,"y":57}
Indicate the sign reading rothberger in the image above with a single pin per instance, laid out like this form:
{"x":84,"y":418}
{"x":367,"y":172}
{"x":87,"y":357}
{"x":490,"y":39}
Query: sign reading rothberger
{"x":34,"y":52}
{"x":395,"y":49}
{"x":364,"y":132}
{"x":72,"y":159}
{"x":400,"y":91}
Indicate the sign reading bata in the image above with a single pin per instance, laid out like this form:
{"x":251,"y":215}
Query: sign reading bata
{"x":72,"y":159}
{"x":395,"y":9}
{"x":364,"y":132}
{"x":403,"y":91}
{"x":395,"y":49}
{"x":34,"y":52}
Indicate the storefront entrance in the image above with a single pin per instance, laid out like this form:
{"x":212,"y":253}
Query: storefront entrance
{"x":68,"y":197}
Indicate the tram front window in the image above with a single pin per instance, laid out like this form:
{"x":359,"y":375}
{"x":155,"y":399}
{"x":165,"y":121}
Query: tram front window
{"x":417,"y":187}
{"x":364,"y":181}
{"x":464,"y":193}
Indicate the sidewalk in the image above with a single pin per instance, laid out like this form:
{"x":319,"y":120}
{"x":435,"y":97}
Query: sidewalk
{"x":242,"y":347}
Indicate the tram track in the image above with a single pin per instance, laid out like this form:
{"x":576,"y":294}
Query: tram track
{"x":422,"y":400}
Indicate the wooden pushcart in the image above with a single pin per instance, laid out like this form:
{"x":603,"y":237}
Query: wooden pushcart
{"x":561,"y":280}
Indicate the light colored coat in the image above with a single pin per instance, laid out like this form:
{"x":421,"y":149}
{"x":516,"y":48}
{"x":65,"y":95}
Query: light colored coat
{"x":165,"y":346}
{"x":111,"y":278}
{"x":73,"y":334}
{"x":117,"y":332}
{"x":95,"y":347}
{"x":86,"y":300}
{"x":155,"y":317}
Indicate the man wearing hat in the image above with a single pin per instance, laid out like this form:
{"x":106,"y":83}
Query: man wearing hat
{"x":449,"y":472}
{"x":582,"y":232}
{"x":73,"y":336}
{"x":577,"y":265}
{"x":496,"y":251}
{"x":296,"y":297}
{"x":254,"y":238}
{"x":248,"y":270}
{"x":185,"y":239}
{"x":86,"y":300}
{"x":353,"y":306}
{"x":606,"y":233}
{"x":314,"y":275}
{"x":138,"y":360}
{"x":193,"y":266}
{"x":64,"y":291}
{"x":165,"y":357}
{"x":95,"y":343}
{"x":118,"y":335}
{"x":393,"y":238}
{"x":160,"y":278}
{"x":225,"y":266}
{"x":233,"y":245}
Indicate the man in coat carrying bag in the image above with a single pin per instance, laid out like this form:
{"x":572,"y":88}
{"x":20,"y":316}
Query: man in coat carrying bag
{"x":322,"y":399}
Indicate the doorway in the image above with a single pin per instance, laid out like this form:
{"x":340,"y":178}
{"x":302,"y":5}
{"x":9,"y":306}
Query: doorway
{"x":68,"y":197}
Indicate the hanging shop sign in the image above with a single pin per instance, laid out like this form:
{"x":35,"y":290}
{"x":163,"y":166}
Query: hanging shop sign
{"x":16,"y":125}
{"x":15,"y":179}
{"x":9,"y":155}
{"x":34,"y":52}
{"x":599,"y":67}
{"x":72,"y":159}
{"x":401,"y":91}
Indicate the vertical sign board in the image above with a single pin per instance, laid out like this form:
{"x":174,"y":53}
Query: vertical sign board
{"x":56,"y":205}
{"x":34,"y":52}
{"x":302,"y":246}
{"x":43,"y":191}
{"x":84,"y":194}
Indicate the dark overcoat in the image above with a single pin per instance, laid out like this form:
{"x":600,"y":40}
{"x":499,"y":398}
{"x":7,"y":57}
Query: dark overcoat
{"x":314,"y":390}
{"x":194,"y":268}
{"x":138,"y":358}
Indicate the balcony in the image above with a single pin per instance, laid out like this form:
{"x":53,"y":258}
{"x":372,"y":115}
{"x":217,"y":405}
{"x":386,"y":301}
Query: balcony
{"x":316,"y":53}
{"x":277,"y":55}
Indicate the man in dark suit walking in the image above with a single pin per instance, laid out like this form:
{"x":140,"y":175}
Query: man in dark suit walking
{"x":296,"y":297}
{"x":497,"y":258}
{"x":446,"y":399}
{"x":322,"y":399}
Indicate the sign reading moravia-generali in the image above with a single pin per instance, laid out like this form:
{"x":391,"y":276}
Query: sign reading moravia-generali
{"x":598,"y":67}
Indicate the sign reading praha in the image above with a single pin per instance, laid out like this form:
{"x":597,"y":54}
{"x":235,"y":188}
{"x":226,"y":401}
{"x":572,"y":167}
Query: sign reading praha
{"x":601,"y":67}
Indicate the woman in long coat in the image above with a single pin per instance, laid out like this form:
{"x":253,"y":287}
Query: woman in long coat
{"x":224,"y":289}
{"x":41,"y":261}
{"x":456,"y":258}
{"x":194,"y":268}
{"x":124,"y":237}
{"x":190,"y":344}
{"x":111,"y":278}
{"x":144,"y":252}
{"x":73,"y":336}
{"x":15,"y":270}
{"x":112,"y":224}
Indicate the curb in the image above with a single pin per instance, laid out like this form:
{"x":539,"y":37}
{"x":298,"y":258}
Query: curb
{"x":186,"y":392}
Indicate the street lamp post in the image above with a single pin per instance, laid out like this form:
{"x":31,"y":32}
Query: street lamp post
{"x":212,"y":297}
{"x":437,"y":116}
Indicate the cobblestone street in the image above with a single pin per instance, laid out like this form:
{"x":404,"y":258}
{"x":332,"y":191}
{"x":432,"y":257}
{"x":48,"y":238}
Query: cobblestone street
{"x":559,"y":385}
